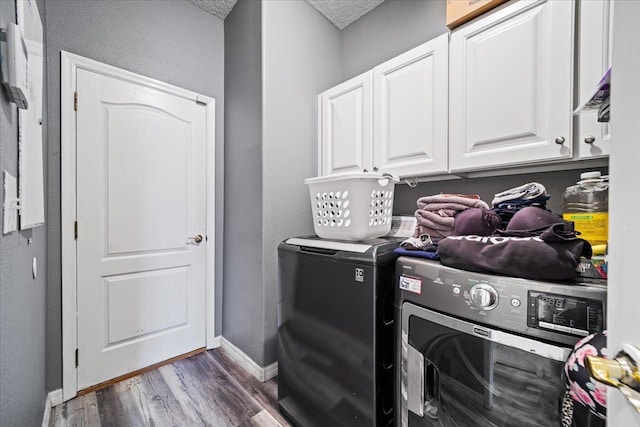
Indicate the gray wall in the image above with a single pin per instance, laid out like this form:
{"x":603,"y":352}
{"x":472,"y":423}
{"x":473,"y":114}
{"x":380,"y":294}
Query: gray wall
{"x":173,"y":41}
{"x":301,"y":54}
{"x":389,"y":30}
{"x":22,"y":298}
{"x":242,"y":300}
{"x":279,"y":56}
{"x":555,"y":183}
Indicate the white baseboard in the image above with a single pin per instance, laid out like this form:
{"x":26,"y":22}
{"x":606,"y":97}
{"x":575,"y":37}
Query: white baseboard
{"x":271,"y":371}
{"x":54,"y":398}
{"x":215,"y":343}
{"x":261,"y":373}
{"x":47,"y":412}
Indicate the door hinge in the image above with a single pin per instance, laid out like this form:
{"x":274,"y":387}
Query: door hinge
{"x":75,"y":230}
{"x":75,"y":101}
{"x":76,"y":357}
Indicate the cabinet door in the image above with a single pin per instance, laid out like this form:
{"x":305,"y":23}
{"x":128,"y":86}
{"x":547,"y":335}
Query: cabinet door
{"x":346,"y":126}
{"x":511,"y":87}
{"x":410,"y":111}
{"x":594,"y":60}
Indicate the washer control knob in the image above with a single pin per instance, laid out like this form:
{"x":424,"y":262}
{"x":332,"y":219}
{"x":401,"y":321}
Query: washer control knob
{"x":484,"y":296}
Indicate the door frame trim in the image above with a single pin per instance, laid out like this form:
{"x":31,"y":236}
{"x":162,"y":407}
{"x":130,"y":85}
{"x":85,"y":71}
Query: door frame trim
{"x":69,"y":65}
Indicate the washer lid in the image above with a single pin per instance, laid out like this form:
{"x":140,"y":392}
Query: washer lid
{"x":330,"y":244}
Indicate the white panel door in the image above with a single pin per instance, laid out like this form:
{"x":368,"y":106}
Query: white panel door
{"x":511,"y":77}
{"x":410,"y":111}
{"x":593,"y":139}
{"x":141,"y":165}
{"x":345,"y":118}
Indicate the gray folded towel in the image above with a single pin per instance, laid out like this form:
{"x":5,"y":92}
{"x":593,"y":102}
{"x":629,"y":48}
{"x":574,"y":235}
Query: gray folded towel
{"x":527,"y":191}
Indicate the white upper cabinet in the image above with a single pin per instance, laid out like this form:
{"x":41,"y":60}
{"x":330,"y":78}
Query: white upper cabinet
{"x":345,"y":119}
{"x":511,"y":78}
{"x":410,"y":108}
{"x":594,"y":52}
{"x":391,"y":119}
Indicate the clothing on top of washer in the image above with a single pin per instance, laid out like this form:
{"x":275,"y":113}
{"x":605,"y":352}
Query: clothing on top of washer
{"x":436,"y":214}
{"x":478,"y":221}
{"x":506,"y":211}
{"x":529,"y":191}
{"x":529,"y":218}
{"x":427,"y":253}
{"x":417,"y":243}
{"x":507,"y":203}
{"x":585,"y":401}
{"x":548,"y":250}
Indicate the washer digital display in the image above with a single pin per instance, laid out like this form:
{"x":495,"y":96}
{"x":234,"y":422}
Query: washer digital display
{"x":561,"y":313}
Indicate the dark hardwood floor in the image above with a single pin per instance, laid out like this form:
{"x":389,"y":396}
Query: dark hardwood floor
{"x":208,"y":389}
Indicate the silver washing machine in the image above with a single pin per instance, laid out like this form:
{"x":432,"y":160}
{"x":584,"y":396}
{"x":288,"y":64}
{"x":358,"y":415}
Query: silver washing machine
{"x":476,"y":349}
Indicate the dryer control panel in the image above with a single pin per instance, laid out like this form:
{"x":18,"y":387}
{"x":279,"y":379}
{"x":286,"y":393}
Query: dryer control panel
{"x":556,"y":311}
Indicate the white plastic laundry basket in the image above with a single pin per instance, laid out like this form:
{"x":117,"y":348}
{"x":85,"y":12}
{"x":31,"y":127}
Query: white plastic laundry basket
{"x":352,"y":206}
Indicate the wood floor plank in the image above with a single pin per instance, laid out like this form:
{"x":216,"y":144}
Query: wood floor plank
{"x":117,"y":407}
{"x":79,"y":412}
{"x":208,"y":389}
{"x":219,"y":393}
{"x":261,"y":419}
{"x":265,"y":393}
{"x":91,"y":414}
{"x":159,"y":405}
{"x":191,"y":402}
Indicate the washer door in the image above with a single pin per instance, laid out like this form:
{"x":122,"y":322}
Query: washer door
{"x":454,"y":373}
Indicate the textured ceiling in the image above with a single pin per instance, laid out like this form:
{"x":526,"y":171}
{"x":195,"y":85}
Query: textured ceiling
{"x":343,"y":12}
{"x":340,"y":12}
{"x":219,"y":8}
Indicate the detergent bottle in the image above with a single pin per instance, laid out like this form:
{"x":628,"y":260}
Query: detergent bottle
{"x":587,"y":205}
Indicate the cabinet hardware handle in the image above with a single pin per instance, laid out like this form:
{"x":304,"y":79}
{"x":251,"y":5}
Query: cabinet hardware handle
{"x":560,"y":140}
{"x":590,"y":139}
{"x":364,"y":170}
{"x":375,"y":169}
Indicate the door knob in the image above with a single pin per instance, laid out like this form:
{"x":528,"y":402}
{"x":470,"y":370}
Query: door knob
{"x":197,"y":238}
{"x":620,"y":372}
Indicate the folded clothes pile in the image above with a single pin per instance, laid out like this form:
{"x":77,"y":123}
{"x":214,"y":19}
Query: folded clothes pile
{"x":508,"y":202}
{"x":478,"y":221}
{"x":421,"y":247}
{"x":535,"y":245}
{"x":436,"y":217}
{"x":436,"y":214}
